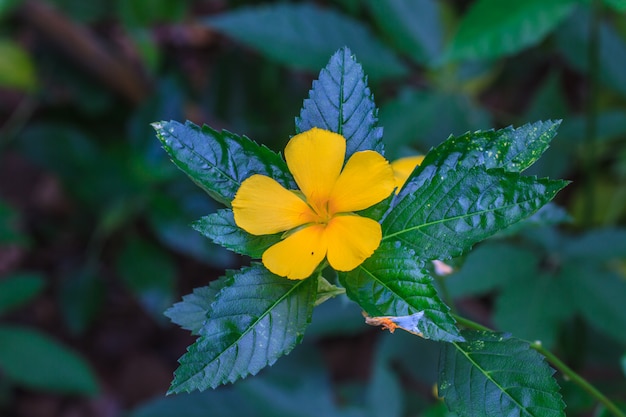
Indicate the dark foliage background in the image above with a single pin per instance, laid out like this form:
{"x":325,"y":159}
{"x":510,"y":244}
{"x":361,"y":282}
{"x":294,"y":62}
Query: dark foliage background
{"x":95,"y":241}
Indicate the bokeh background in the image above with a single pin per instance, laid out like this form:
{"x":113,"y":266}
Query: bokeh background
{"x":95,"y":240}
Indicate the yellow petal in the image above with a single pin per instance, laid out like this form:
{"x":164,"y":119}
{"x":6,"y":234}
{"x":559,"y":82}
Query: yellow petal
{"x":404,"y":167}
{"x":297,"y":256}
{"x":315,"y":158}
{"x":351,"y":239}
{"x":262,"y":206}
{"x":366,"y":179}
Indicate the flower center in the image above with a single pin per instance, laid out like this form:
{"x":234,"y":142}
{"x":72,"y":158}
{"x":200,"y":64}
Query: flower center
{"x":322,"y":212}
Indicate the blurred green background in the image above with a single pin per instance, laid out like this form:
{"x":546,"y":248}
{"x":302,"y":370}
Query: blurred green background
{"x":95,"y":240}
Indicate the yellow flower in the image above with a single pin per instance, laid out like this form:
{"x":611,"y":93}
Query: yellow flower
{"x":403,"y":167}
{"x":318,"y":218}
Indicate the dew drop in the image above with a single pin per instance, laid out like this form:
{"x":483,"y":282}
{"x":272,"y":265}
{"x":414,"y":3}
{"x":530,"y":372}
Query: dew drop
{"x":397,"y":244}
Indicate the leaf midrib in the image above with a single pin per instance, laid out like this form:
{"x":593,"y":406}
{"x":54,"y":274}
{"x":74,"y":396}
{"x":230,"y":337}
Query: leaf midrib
{"x":476,"y":213}
{"x":486,"y":374}
{"x":341,"y":95}
{"x":250,"y":327}
{"x":381,"y":283}
{"x":199,"y":156}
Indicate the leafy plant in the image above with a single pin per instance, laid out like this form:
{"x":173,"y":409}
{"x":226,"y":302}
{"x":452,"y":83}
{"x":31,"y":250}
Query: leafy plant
{"x":468,"y":188}
{"x":103,"y":216}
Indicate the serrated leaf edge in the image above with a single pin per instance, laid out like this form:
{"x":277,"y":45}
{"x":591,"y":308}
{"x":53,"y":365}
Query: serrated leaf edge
{"x":375,"y":129}
{"x":398,"y":234}
{"x":173,"y":390}
{"x":457,"y":336}
{"x":502,"y":389}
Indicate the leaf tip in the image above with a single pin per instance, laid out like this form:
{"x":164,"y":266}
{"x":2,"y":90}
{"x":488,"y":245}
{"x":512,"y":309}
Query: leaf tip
{"x":345,"y":50}
{"x":158,"y":125}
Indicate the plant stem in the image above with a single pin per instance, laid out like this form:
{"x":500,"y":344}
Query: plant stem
{"x":559,"y":365}
{"x":470,"y":324}
{"x":593,"y":60}
{"x":577,"y":379}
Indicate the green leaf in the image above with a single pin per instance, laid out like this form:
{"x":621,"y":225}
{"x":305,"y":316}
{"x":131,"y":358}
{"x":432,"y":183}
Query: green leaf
{"x":149,"y":274}
{"x":548,"y":215}
{"x":392,"y":283}
{"x":445,"y":214}
{"x":16,"y":67}
{"x":193,"y":311}
{"x":219,"y":161}
{"x":493,"y":28}
{"x":302,"y":36}
{"x":378,"y":210}
{"x":17,"y":290}
{"x":413,"y":27}
{"x":34,"y":360}
{"x":220,"y":227}
{"x":512,"y":149}
{"x":341,"y":101}
{"x":256,"y":318}
{"x":494,"y":375}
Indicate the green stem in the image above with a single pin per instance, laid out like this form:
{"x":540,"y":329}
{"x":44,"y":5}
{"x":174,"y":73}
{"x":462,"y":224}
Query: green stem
{"x":577,"y":379}
{"x":593,"y":59}
{"x":470,"y":324}
{"x":559,"y":365}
